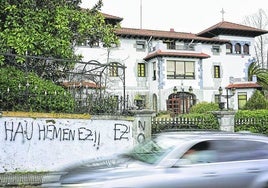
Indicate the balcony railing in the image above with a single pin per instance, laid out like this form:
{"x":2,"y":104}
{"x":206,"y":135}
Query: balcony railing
{"x":184,"y":47}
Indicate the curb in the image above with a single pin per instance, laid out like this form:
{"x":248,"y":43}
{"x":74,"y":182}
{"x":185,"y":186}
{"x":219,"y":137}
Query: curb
{"x":22,"y":179}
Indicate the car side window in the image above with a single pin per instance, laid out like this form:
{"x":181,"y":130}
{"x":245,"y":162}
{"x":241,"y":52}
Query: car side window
{"x":200,"y":153}
{"x":239,"y":150}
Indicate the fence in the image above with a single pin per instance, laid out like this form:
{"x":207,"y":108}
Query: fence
{"x":43,"y":84}
{"x":183,"y":123}
{"x":63,"y":102}
{"x":256,"y":125}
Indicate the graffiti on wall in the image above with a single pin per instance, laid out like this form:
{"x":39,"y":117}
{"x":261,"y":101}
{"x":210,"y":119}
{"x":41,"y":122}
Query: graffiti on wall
{"x":141,"y":136}
{"x":38,"y":130}
{"x":121,"y":131}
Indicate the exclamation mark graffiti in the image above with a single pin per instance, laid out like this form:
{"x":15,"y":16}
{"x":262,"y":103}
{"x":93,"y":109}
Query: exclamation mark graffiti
{"x":97,"y":140}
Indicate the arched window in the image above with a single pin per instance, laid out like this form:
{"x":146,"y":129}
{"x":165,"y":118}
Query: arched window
{"x":237,"y":48}
{"x":229,"y":48}
{"x":246,"y":49}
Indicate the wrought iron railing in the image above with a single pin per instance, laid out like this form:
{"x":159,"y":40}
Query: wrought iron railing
{"x":76,"y":100}
{"x":76,"y":87}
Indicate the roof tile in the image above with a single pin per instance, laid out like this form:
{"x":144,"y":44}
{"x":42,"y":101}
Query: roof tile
{"x":176,"y":54}
{"x":164,"y":34}
{"x":243,"y":85}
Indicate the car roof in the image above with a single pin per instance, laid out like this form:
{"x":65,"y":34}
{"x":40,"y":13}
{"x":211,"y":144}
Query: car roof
{"x":206,"y":135}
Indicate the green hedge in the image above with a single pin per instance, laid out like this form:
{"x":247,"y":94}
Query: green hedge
{"x":21,"y":92}
{"x":209,"y":121}
{"x":255,"y":121}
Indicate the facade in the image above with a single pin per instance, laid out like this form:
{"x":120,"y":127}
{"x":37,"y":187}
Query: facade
{"x":173,"y":70}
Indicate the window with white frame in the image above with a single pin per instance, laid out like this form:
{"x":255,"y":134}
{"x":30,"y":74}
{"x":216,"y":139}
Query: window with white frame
{"x":229,"y":48}
{"x":170,"y":44}
{"x":113,"y":70}
{"x":217,"y":71}
{"x":180,"y":69}
{"x":141,"y":70}
{"x":238,"y":48}
{"x":242,"y":99}
{"x":154,"y":70}
{"x":140,"y":45}
{"x":246,"y":49}
{"x":216,"y":50}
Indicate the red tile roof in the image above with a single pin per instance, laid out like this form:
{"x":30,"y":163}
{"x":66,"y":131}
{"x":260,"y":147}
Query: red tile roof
{"x":108,"y":16}
{"x":79,"y":84}
{"x":176,"y":54}
{"x":225,"y":27}
{"x":132,"y":32}
{"x":243,"y":85}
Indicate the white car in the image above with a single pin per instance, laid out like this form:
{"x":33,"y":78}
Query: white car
{"x":179,"y":159}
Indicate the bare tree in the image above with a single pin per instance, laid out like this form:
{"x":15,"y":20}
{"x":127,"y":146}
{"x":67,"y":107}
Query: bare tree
{"x":260,"y":20}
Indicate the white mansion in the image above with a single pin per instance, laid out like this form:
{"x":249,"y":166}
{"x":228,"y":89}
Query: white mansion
{"x":174,"y":70}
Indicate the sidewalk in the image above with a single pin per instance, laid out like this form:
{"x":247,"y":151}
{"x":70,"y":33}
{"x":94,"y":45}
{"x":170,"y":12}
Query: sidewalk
{"x":22,"y":179}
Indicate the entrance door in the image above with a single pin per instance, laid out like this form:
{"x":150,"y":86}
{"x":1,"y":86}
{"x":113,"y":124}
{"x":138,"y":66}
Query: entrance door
{"x":180,"y":102}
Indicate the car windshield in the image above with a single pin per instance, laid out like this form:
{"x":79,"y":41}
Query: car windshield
{"x":153,"y":150}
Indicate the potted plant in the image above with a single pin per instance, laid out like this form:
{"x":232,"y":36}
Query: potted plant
{"x":138,"y":101}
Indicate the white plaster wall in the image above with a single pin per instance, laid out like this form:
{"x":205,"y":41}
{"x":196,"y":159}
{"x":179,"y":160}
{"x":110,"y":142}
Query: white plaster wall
{"x":204,"y":86}
{"x":232,"y":65}
{"x":41,"y":144}
{"x":127,"y":55}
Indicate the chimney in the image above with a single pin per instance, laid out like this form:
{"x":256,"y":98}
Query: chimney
{"x":254,"y":78}
{"x":171,"y":30}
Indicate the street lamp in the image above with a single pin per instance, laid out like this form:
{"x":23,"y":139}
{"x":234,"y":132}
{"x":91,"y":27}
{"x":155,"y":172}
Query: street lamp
{"x":182,"y":89}
{"x":175,"y":90}
{"x":190,"y":89}
{"x":220,"y":90}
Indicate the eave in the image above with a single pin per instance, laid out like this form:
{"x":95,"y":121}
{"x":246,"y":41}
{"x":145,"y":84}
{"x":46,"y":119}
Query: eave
{"x":165,"y":35}
{"x":160,"y":53}
{"x":231,"y":29}
{"x":243,"y":85}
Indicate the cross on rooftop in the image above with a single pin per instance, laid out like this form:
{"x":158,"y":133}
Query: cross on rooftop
{"x":222,"y":14}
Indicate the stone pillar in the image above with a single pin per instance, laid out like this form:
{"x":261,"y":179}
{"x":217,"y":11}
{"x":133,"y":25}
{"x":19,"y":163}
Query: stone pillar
{"x":226,"y":120}
{"x":142,"y":125}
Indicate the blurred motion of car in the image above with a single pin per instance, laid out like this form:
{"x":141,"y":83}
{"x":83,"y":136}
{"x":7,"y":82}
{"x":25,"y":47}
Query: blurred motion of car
{"x":179,"y":159}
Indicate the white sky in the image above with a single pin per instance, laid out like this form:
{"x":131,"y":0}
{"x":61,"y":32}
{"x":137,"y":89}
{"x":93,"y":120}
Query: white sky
{"x":182,"y":15}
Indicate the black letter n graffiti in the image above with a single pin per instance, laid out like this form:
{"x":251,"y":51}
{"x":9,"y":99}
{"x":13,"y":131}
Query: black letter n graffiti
{"x":120,"y":131}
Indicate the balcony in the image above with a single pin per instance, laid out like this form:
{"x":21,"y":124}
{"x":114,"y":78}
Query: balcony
{"x":177,"y":47}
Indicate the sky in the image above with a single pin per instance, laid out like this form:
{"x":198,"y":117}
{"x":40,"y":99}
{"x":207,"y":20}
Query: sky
{"x":191,"y":16}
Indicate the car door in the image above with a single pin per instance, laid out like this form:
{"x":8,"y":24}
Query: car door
{"x":237,"y":163}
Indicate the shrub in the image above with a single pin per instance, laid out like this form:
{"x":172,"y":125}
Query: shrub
{"x":254,"y":121}
{"x":256,"y":101}
{"x":204,"y":107}
{"x":21,"y":92}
